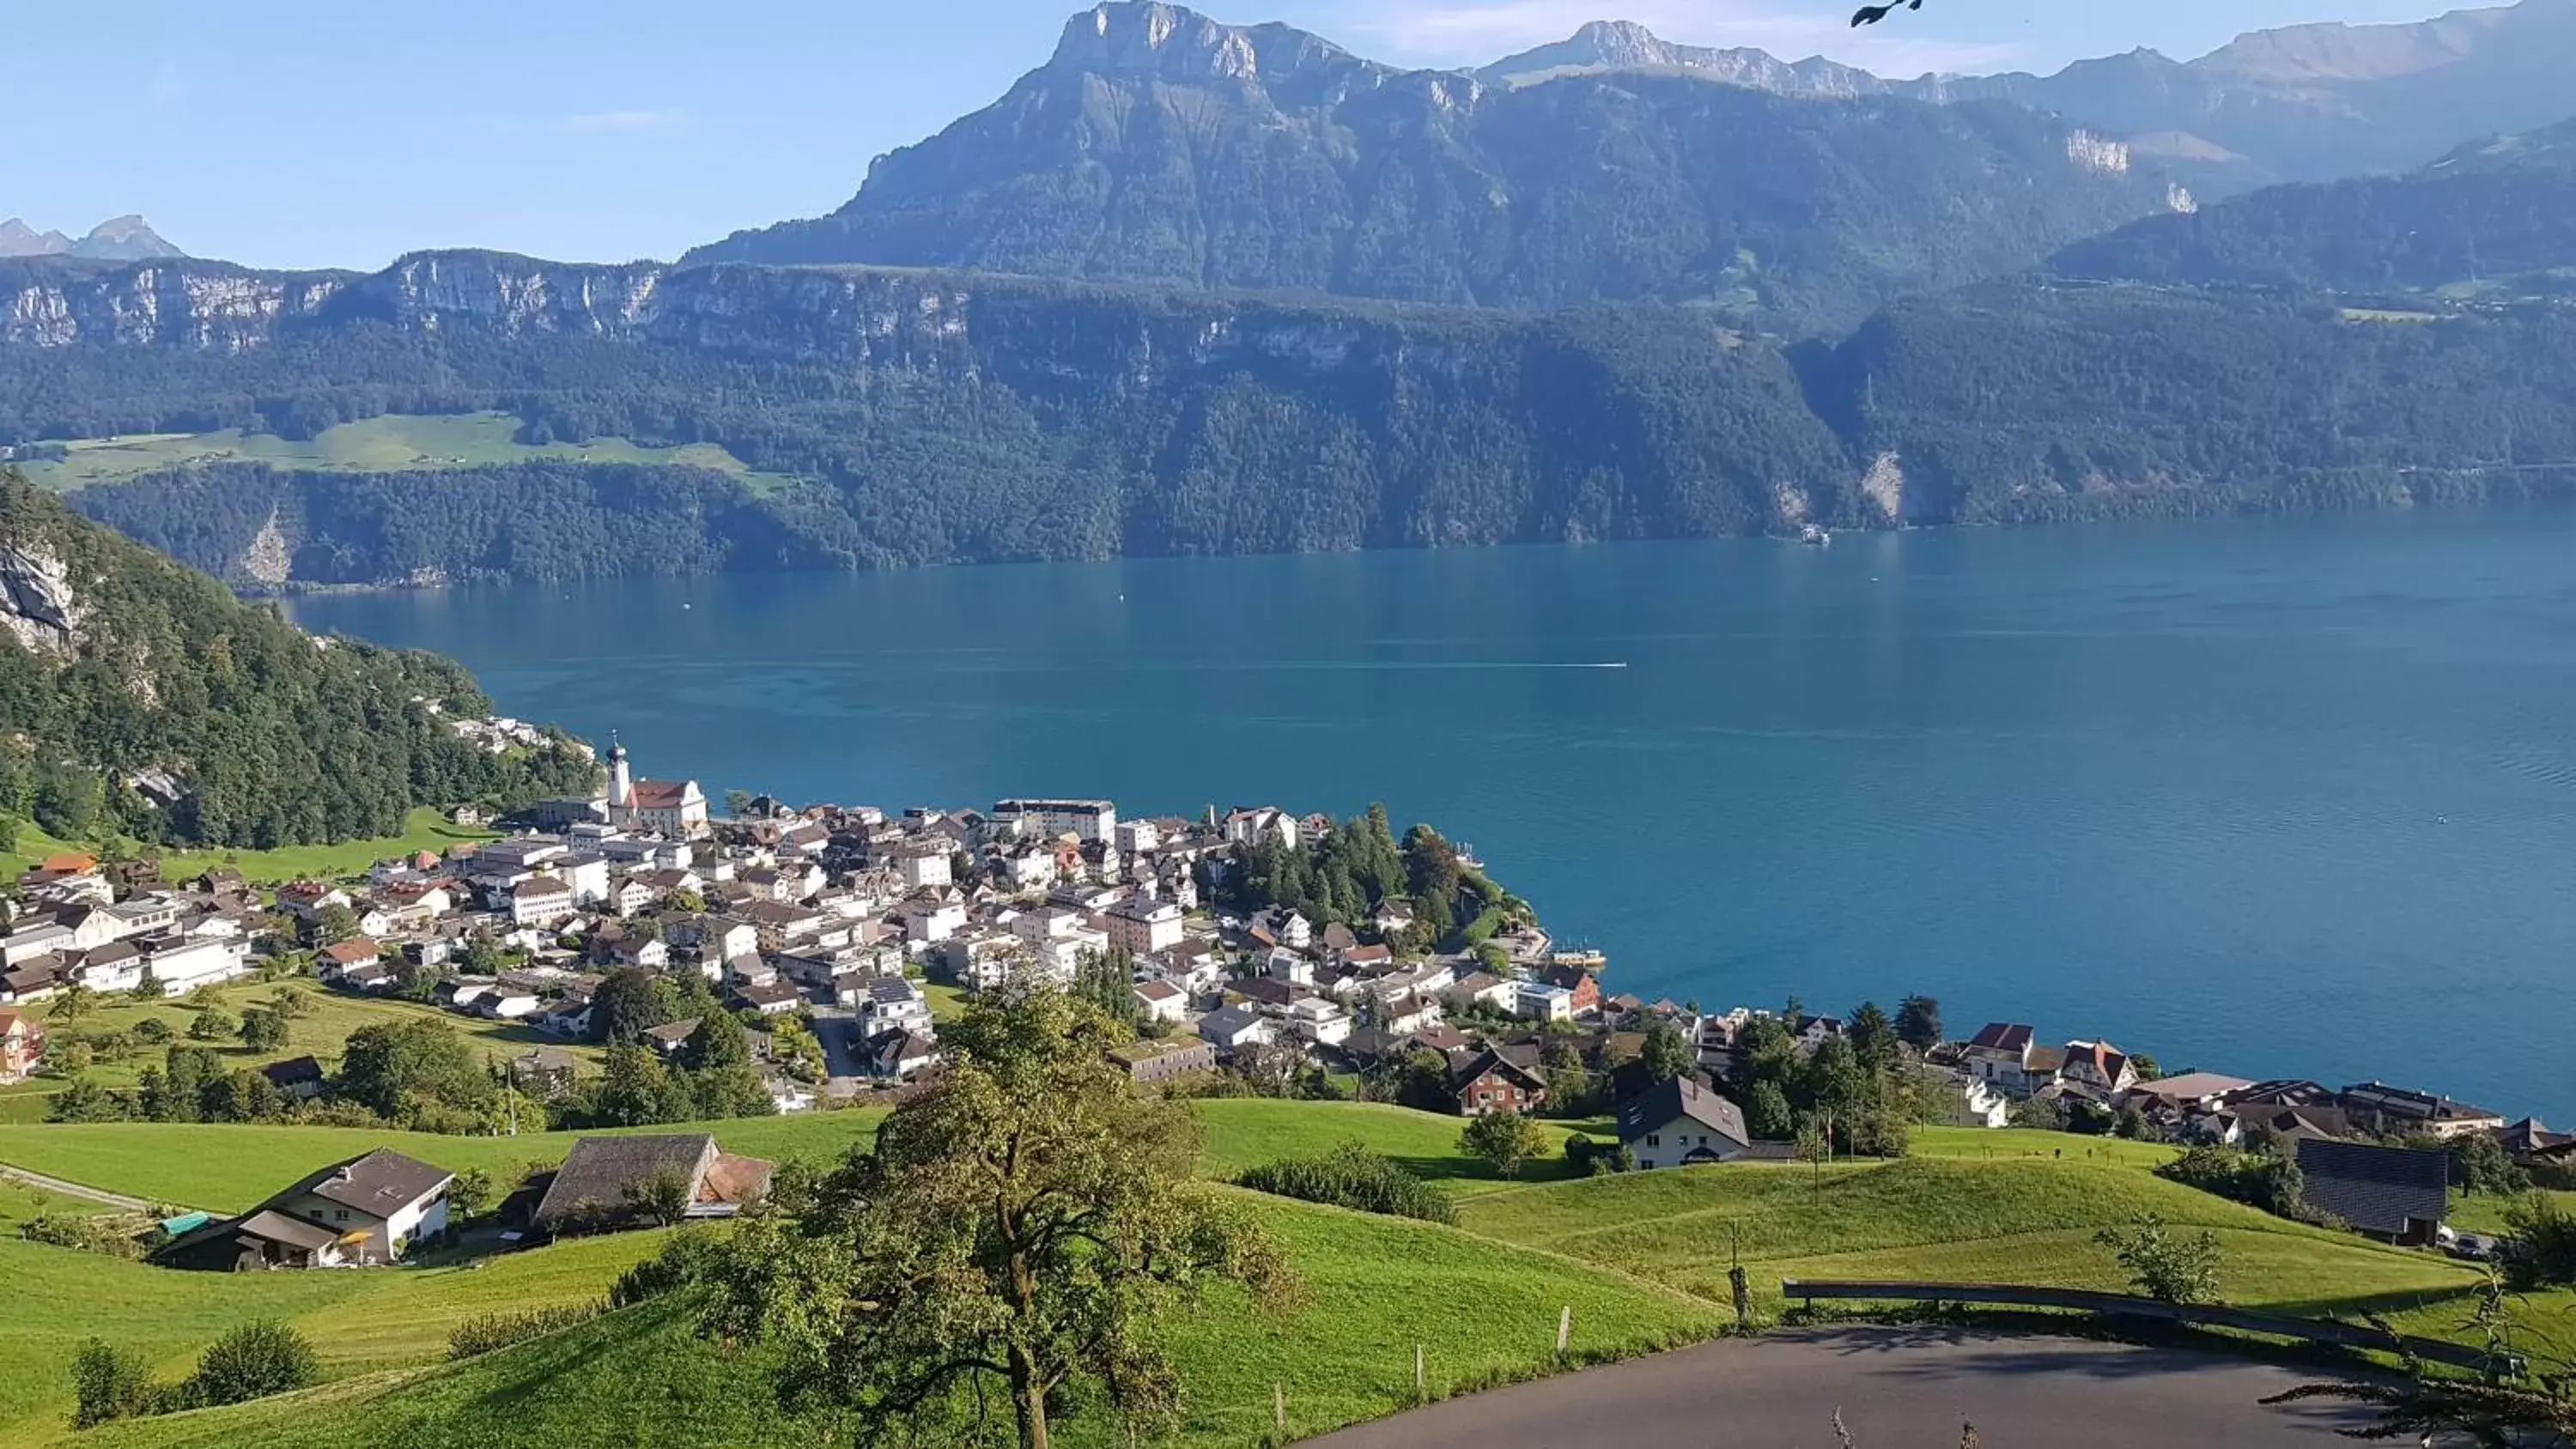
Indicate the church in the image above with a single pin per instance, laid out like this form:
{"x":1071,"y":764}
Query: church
{"x":677,"y":808}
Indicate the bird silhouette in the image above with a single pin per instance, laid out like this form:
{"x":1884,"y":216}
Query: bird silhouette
{"x":1872,"y":14}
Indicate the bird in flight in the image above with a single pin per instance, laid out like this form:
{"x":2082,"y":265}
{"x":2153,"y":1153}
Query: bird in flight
{"x":1872,"y":14}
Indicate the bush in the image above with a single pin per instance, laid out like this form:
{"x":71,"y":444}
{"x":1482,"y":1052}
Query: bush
{"x":1504,"y":1139}
{"x":1351,"y":1176}
{"x":690,"y":1254}
{"x":109,"y":1382}
{"x":1593,"y":1159}
{"x":116,"y":1236}
{"x":2257,"y":1179}
{"x":153,"y":1031}
{"x":252,"y":1362}
{"x":2164,"y":1267}
{"x":2544,"y":1235}
{"x":495,"y":1331}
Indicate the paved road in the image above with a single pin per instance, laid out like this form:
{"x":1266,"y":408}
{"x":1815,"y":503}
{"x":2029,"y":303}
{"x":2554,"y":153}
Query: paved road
{"x":73,"y":1189}
{"x":1897,"y":1388}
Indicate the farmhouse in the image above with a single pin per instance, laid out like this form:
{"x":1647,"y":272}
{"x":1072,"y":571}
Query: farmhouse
{"x":606,"y":1182}
{"x":364,"y":1212}
{"x":1682,"y":1124}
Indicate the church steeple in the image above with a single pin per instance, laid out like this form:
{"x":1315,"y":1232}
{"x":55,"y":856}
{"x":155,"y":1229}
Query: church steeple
{"x":621,"y":786}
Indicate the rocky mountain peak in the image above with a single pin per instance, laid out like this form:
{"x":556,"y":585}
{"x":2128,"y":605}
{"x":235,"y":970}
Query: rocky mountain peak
{"x":117,"y":239}
{"x":1153,"y":38}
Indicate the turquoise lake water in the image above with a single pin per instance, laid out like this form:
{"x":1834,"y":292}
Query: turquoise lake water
{"x":2275,"y":798}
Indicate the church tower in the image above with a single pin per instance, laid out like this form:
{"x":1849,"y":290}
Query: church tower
{"x":621,"y":788}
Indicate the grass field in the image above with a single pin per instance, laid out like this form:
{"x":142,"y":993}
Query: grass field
{"x":423,"y":829}
{"x":387,"y":444}
{"x":322,"y":1033}
{"x":1955,"y":1220}
{"x":1640,"y":1258}
{"x":229,"y":1167}
{"x":1374,"y":1288}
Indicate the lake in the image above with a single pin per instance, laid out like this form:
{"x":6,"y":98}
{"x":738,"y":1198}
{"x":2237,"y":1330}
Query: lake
{"x":2272,"y":797}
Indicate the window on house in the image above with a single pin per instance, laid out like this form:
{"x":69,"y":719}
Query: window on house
{"x":1654,"y":1140}
{"x":340,"y":1215}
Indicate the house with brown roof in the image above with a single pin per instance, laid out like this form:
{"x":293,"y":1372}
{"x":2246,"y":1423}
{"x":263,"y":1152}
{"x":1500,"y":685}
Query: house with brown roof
{"x":2001,"y":1053}
{"x":1491,"y":1081}
{"x":605,"y":1182}
{"x":2098,"y":1067}
{"x":22,"y":1045}
{"x":1583,"y":989}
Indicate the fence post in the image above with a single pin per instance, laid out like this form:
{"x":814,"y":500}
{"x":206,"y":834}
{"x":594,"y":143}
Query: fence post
{"x":1418,"y":1383}
{"x":1278,"y":1405}
{"x":1564,"y":1329}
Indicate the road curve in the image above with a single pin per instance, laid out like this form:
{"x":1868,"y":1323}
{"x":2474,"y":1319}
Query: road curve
{"x":1896,"y":1388}
{"x":39,"y":1181}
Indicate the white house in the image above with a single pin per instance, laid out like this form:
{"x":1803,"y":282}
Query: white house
{"x":1083,"y":819}
{"x":1974,"y":1102}
{"x":1681,"y":1124}
{"x":923,"y":867}
{"x":933,"y":920}
{"x":2001,"y":1053}
{"x":893,"y":1003}
{"x":183,"y":967}
{"x":665,"y":807}
{"x":366,"y":1211}
{"x":1230,"y":1027}
{"x":1319,"y":1019}
{"x":540,"y":900}
{"x":1286,"y":965}
{"x":1161,"y":1001}
{"x":1538,"y":1001}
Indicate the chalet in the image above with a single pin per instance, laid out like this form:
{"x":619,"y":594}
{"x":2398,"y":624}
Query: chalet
{"x":364,"y":1212}
{"x":337,"y":959}
{"x":2000,"y":1053}
{"x":300,"y":1078}
{"x":2395,"y":1194}
{"x":775,"y":999}
{"x":602,"y":1184}
{"x":2097,"y":1067}
{"x":670,"y":1038}
{"x":1491,"y":1081}
{"x":1682,"y":1124}
{"x":22,"y":1045}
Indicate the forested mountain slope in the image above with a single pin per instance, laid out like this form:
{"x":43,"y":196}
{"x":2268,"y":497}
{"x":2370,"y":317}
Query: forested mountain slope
{"x":139,"y":696}
{"x":2496,"y":218}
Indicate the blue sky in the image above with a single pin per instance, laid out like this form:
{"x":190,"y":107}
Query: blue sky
{"x":328,"y":132}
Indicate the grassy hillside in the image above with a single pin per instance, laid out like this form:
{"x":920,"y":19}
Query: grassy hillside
{"x":387,"y":444}
{"x":1957,"y":1220}
{"x":1641,"y":1259}
{"x":321,"y":1034}
{"x":228,"y":1167}
{"x":1375,"y":1287}
{"x":423,"y":829}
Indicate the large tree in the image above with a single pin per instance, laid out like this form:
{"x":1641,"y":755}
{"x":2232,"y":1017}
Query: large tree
{"x":1020,"y":1225}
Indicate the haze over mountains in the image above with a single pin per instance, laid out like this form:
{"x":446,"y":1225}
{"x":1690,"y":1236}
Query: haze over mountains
{"x":117,"y":239}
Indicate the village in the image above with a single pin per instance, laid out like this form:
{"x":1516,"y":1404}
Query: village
{"x":839,"y":936}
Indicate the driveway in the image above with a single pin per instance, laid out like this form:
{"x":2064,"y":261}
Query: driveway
{"x":56,"y":1185}
{"x":1897,"y":1388}
{"x":837,"y":1029}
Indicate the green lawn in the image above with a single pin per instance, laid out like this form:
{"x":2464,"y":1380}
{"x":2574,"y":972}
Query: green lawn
{"x":2012,"y":1220}
{"x":1641,"y":1258}
{"x":387,"y":444}
{"x":423,"y":829}
{"x":322,"y":1033}
{"x":229,"y":1166}
{"x":2485,"y":1213}
{"x":1374,"y":1288}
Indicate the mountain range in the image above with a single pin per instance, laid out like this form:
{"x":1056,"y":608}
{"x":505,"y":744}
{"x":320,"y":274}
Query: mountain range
{"x":2301,"y":103}
{"x":1160,"y":146}
{"x":1198,"y":288}
{"x":117,"y":239}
